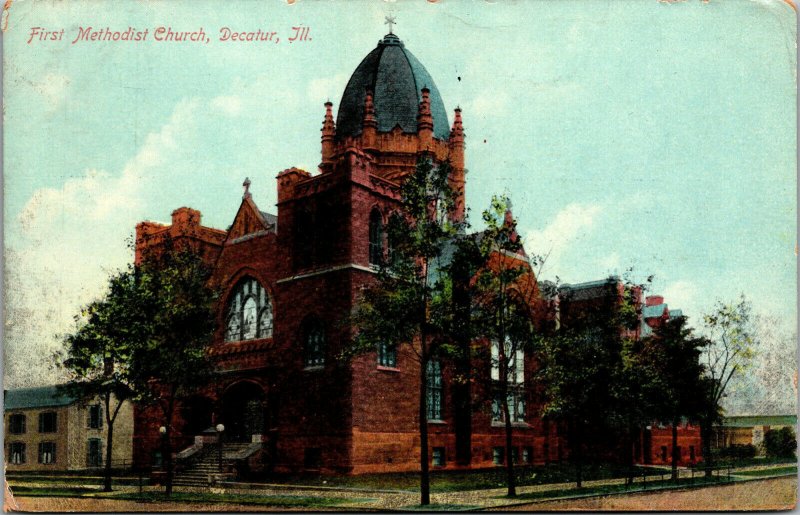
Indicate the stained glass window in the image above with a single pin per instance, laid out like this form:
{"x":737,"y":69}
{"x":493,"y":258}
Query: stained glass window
{"x":249,"y":312}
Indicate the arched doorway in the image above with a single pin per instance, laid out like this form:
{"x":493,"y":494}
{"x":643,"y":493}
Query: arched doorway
{"x":196,"y":412}
{"x":243,"y":411}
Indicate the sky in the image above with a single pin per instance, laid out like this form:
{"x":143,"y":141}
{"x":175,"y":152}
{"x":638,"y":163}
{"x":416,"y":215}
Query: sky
{"x":657,"y":136}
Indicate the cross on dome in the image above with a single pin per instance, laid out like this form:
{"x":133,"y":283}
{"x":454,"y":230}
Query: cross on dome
{"x":390,"y":21}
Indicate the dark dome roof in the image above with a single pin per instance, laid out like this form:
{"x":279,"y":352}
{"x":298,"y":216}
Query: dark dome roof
{"x":396,"y":79}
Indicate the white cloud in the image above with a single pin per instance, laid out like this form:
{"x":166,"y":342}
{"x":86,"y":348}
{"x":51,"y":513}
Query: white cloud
{"x":67,"y":240}
{"x":228,"y":104}
{"x":569,"y":225}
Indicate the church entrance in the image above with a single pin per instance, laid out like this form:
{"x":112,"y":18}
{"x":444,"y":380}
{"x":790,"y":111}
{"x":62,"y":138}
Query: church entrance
{"x":243,"y":410}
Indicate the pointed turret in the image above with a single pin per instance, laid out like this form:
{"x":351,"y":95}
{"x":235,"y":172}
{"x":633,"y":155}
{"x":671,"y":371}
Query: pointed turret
{"x":328,"y":134}
{"x":370,"y":124}
{"x":457,"y":180}
{"x":425,"y":120}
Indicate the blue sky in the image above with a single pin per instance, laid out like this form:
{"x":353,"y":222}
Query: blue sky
{"x":653,"y":135}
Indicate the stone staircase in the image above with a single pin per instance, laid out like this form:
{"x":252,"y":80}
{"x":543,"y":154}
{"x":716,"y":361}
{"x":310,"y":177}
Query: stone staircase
{"x":205,"y":466}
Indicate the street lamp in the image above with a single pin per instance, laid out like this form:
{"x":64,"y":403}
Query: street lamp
{"x":163,"y":432}
{"x":220,"y":428}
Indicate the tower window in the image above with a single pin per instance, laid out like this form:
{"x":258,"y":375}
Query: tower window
{"x":249,"y":314}
{"x":434,"y":390}
{"x":375,"y":238}
{"x":314,"y":343}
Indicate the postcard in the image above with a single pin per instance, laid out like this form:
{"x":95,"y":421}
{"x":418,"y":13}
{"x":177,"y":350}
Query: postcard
{"x":381,"y":255}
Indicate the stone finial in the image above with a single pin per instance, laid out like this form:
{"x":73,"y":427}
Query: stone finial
{"x":328,"y":134}
{"x":369,"y":110}
{"x":457,"y":132}
{"x":246,"y":185}
{"x":425,"y":118}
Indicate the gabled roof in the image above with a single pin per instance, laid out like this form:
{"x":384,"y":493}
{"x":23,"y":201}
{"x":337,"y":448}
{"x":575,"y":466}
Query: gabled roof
{"x":251,"y":220}
{"x":39,"y":397}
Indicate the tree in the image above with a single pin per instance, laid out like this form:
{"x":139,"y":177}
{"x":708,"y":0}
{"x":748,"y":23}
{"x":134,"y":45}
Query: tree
{"x":98,"y":353}
{"x":409,"y":303}
{"x":172,"y":328}
{"x":503,"y":288}
{"x":732,"y":343}
{"x":581,"y":363}
{"x":672,"y":357}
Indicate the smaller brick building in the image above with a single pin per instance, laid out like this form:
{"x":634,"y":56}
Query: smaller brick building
{"x":46,"y":430}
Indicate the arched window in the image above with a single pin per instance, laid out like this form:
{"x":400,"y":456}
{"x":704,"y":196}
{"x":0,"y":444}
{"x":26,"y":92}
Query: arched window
{"x":375,"y":237}
{"x":314,"y":343}
{"x":249,"y":314}
{"x":394,"y":226}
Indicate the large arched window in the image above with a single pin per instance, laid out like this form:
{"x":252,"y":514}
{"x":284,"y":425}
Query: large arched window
{"x":314,"y":343}
{"x":249,"y":314}
{"x":375,"y":237}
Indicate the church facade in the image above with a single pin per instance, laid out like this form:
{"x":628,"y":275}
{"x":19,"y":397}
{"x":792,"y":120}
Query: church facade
{"x":289,"y":280}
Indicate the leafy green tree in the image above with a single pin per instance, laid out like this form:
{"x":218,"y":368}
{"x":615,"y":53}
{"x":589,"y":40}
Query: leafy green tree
{"x":672,"y":358}
{"x":410,"y":302}
{"x":582,"y":366}
{"x":732,"y":344}
{"x":173,"y":326}
{"x":503,"y":292}
{"x":97,"y":356}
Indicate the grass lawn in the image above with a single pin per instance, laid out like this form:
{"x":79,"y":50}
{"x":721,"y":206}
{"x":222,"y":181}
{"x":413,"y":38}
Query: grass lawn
{"x":455,"y":480}
{"x":788,"y":470}
{"x":618,"y":488}
{"x":304,"y":501}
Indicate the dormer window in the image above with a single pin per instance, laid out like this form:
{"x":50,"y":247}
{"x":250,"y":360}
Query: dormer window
{"x":249,"y":314}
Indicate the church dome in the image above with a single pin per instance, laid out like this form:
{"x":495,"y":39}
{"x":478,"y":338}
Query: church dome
{"x":396,"y":79}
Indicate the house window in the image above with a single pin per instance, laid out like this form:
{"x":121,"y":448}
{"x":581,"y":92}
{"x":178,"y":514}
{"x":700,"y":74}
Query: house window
{"x":498,"y":455}
{"x":516,"y":406}
{"x":438,"y":457}
{"x":515,"y":455}
{"x":16,"y":453}
{"x":663,"y":453}
{"x":691,"y":453}
{"x":95,"y":417}
{"x":16,"y":424}
{"x":48,"y":422}
{"x":314,"y":343}
{"x":434,"y":390}
{"x":94,"y":453}
{"x":249,"y":314}
{"x":375,"y":238}
{"x":387,"y":355}
{"x":47,"y":453}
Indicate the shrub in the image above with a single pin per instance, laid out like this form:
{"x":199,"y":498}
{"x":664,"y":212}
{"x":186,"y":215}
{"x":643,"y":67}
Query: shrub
{"x":781,"y":443}
{"x":738,"y":451}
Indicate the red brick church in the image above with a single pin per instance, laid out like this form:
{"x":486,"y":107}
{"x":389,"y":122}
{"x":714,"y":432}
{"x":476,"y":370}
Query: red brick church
{"x":290,"y":278}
